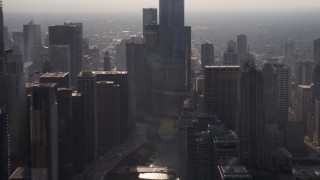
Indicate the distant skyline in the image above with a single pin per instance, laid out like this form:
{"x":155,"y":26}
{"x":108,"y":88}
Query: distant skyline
{"x":135,"y":6}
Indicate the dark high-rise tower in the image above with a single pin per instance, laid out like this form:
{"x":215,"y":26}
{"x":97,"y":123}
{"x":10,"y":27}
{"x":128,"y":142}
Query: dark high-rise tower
{"x":171,"y":12}
{"x":207,"y":55}
{"x":32,"y":44}
{"x":18,"y":123}
{"x":316,"y":50}
{"x":242,"y":47}
{"x":107,"y":63}
{"x":44,"y":131}
{"x":230,"y":56}
{"x":3,"y":106}
{"x":172,"y":80}
{"x":150,"y":17}
{"x":221,"y":93}
{"x":69,"y":34}
{"x":251,"y":124}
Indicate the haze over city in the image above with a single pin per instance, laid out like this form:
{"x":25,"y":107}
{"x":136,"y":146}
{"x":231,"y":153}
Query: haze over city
{"x":134,"y":6}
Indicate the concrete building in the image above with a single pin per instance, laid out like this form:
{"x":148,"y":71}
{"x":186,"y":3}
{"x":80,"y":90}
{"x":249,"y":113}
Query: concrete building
{"x":62,"y":79}
{"x":108,"y":112}
{"x":251,"y":125}
{"x":221,"y":93}
{"x":121,"y":55}
{"x":18,"y":122}
{"x":87,"y":87}
{"x":207,"y":55}
{"x":44,"y":132}
{"x":70,"y":34}
{"x":32,"y":44}
{"x":242,"y":47}
{"x":59,"y":57}
{"x":150,"y":16}
{"x":230,"y":57}
{"x":289,"y":52}
{"x":304,"y":72}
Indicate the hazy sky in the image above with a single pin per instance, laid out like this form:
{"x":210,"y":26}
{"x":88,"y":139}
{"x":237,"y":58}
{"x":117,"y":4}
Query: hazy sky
{"x":134,"y":6}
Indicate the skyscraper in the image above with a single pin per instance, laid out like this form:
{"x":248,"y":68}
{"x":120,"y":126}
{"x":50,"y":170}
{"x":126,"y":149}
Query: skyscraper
{"x":32,"y":44}
{"x":65,"y":133}
{"x":150,"y":16}
{"x":316,"y":50}
{"x":44,"y":132}
{"x":251,"y":125}
{"x":289,"y":50}
{"x":108,"y":112}
{"x":107,"y":63}
{"x":304,"y":71}
{"x":172,"y":80}
{"x":171,"y":13}
{"x":242,"y":47}
{"x":3,"y":106}
{"x":302,"y":108}
{"x":126,"y":116}
{"x":70,"y":34}
{"x":59,"y":57}
{"x":230,"y":56}
{"x":137,"y":69}
{"x":207,"y":55}
{"x":87,"y":87}
{"x":221,"y":93}
{"x":18,"y":122}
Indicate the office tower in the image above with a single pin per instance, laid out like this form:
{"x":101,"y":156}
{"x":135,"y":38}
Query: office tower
{"x":65,"y":134}
{"x":172,"y":80}
{"x":151,"y":38}
{"x":289,"y":50}
{"x":59,"y":57}
{"x":221,"y":93}
{"x":44,"y":132}
{"x":251,"y":124}
{"x":303,"y":105}
{"x":316,"y":133}
{"x":3,"y":106}
{"x":120,"y":78}
{"x":137,"y":72}
{"x":242,"y":47}
{"x":7,"y":41}
{"x":17,"y":46}
{"x":32,"y":44}
{"x":304,"y":72}
{"x":171,"y":12}
{"x":87,"y":87}
{"x":150,"y":16}
{"x":316,"y":50}
{"x":230,"y":56}
{"x":108,"y":112}
{"x":70,"y":34}
{"x":276,"y":89}
{"x":21,"y":173}
{"x":276,"y":92}
{"x":107,"y":63}
{"x":62,"y":79}
{"x":18,"y":123}
{"x":121,"y":55}
{"x":207,"y":55}
{"x":78,"y":131}
{"x":210,"y":146}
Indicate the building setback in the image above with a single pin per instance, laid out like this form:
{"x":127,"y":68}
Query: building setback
{"x":62,"y":79}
